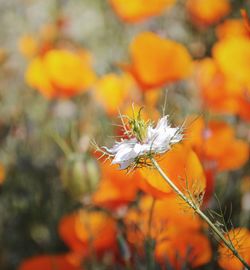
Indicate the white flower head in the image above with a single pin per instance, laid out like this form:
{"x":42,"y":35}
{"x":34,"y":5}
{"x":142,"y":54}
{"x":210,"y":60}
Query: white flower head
{"x":144,"y":141}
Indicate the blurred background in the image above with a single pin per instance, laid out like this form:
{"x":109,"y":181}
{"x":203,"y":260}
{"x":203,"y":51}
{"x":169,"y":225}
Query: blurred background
{"x":66,"y":69}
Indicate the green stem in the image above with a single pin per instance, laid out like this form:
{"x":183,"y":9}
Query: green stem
{"x":61,"y":143}
{"x":200,"y":213}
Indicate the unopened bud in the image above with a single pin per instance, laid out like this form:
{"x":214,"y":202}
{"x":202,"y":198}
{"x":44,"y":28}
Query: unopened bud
{"x":80,"y":175}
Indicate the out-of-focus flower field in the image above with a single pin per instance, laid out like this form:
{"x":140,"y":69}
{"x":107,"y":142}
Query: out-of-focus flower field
{"x":70,"y":72}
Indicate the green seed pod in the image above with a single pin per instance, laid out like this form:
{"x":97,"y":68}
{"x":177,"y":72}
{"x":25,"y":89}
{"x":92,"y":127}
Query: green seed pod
{"x":80,"y":175}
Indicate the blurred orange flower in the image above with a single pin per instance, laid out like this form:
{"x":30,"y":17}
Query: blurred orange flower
{"x":216,"y":145}
{"x":68,"y":261}
{"x":232,"y":28}
{"x":182,"y":166}
{"x":240,"y":238}
{"x":28,"y":46}
{"x":2,"y":173}
{"x":157,"y":61}
{"x":205,"y":13}
{"x":116,"y":187}
{"x":61,"y":73}
{"x":88,"y":231}
{"x":246,"y":19}
{"x":220,"y":93}
{"x":46,"y":38}
{"x":112,"y":91}
{"x":186,"y":248}
{"x":175,"y":231}
{"x":232,"y":56}
{"x":139,"y":10}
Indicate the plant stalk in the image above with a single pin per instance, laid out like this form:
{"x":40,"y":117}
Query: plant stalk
{"x":200,"y":213}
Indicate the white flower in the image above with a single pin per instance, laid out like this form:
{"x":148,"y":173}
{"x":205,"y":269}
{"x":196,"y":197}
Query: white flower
{"x":158,"y":141}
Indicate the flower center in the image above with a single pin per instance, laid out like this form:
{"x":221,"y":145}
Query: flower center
{"x":138,"y":129}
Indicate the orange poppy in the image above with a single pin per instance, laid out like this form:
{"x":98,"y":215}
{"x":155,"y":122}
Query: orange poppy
{"x":178,"y":217}
{"x":157,"y":61}
{"x":232,"y":56}
{"x":44,"y":40}
{"x":216,"y":145}
{"x":138,"y":10}
{"x":69,"y":261}
{"x":2,"y":173}
{"x":174,"y":231}
{"x":112,"y":91}
{"x":88,"y":231}
{"x":240,"y":238}
{"x":210,"y":185}
{"x":205,"y":12}
{"x":116,"y":187}
{"x":220,"y":93}
{"x":60,"y":73}
{"x":182,"y":166}
{"x":184,"y":249}
{"x":246,"y":19}
{"x":231,"y":28}
{"x":28,"y":46}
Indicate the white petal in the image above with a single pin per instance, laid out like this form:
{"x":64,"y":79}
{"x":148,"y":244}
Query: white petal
{"x":126,"y":164}
{"x":163,"y":136}
{"x":120,"y":145}
{"x":162,"y":123}
{"x":124,"y":155}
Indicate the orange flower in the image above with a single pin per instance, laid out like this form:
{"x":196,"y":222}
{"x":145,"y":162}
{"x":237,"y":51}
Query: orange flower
{"x":232,"y":56}
{"x":88,"y":231}
{"x":232,"y":28}
{"x":116,"y":187}
{"x":240,"y":238}
{"x":164,"y":223}
{"x":217,"y":146}
{"x":28,"y":46}
{"x":178,"y":218}
{"x":112,"y":91}
{"x":220,"y":93}
{"x":2,"y":174}
{"x":60,"y":73}
{"x":174,"y":231}
{"x":157,"y":61}
{"x":205,"y":12}
{"x":245,"y":19}
{"x":43,"y":41}
{"x":191,"y":248}
{"x":69,"y":261}
{"x":182,"y":166}
{"x":138,"y":10}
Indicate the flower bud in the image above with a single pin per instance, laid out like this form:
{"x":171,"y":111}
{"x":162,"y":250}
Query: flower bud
{"x":80,"y":175}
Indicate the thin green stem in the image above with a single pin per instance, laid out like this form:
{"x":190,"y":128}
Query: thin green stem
{"x":61,"y":143}
{"x":200,"y":213}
